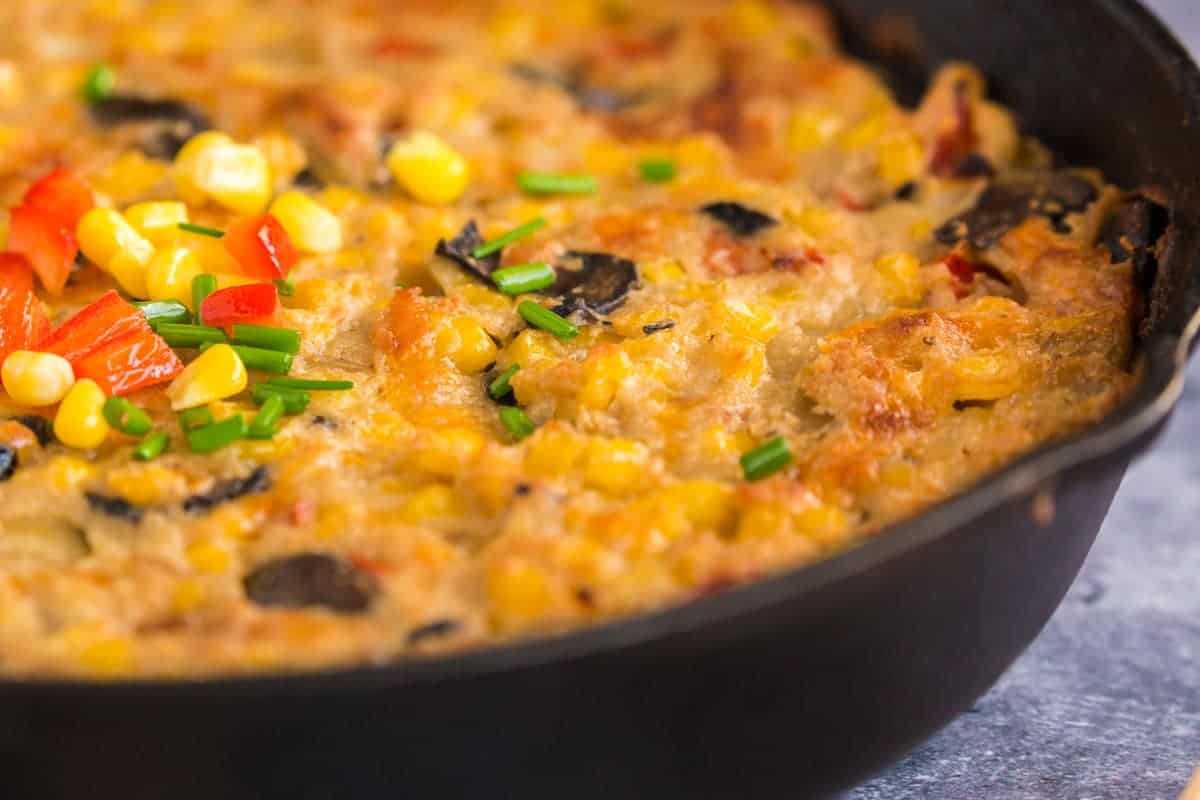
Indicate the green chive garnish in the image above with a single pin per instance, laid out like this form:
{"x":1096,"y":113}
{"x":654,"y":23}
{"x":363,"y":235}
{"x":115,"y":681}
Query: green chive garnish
{"x":285,"y":340}
{"x":766,"y":459}
{"x":266,"y":421}
{"x":218,"y":435}
{"x":504,"y":240}
{"x":151,"y":447}
{"x":285,"y":287}
{"x":306,"y":384}
{"x":99,"y":83}
{"x":203,"y":230}
{"x":157,"y":311}
{"x":126,"y":417}
{"x":657,"y":170}
{"x":541,"y":317}
{"x":550,"y":183}
{"x":516,"y":422}
{"x":193,"y":336}
{"x":500,"y":388}
{"x":192,"y":418}
{"x":260,"y":359}
{"x":202,"y":287}
{"x":294,"y":400}
{"x":524,"y":278}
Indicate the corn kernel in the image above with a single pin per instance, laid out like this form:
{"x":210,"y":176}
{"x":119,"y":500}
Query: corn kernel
{"x":36,"y":379}
{"x":761,"y":522}
{"x":529,"y":347}
{"x":666,"y":270}
{"x":208,"y":557}
{"x":615,"y":466}
{"x":553,"y":452}
{"x":607,"y":157}
{"x":66,"y":473}
{"x":116,"y":247}
{"x":518,"y":592}
{"x":826,"y":525}
{"x":447,"y":451}
{"x":901,"y":274}
{"x":901,"y":158}
{"x":311,"y":227}
{"x":986,"y":376}
{"x":464,"y":341}
{"x":169,"y":275}
{"x":158,"y":222}
{"x":752,"y":18}
{"x":80,"y":419}
{"x":187,"y":165}
{"x":750,"y":320}
{"x":865,"y":133}
{"x":146,"y":485}
{"x":813,"y":127}
{"x":431,"y":502}
{"x":285,"y":155}
{"x":217,"y":373}
{"x":187,"y":596}
{"x":603,"y":377}
{"x":213,"y":256}
{"x":129,"y":271}
{"x":129,"y":177}
{"x":513,"y":30}
{"x":107,"y":657}
{"x":235,"y":176}
{"x":429,"y":169}
{"x":707,"y":504}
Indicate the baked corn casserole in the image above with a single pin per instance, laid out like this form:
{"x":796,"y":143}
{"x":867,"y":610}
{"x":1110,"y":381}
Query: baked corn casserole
{"x":337,"y":332}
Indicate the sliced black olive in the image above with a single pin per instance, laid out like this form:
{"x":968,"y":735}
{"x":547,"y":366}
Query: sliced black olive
{"x":590,"y":98}
{"x":308,"y":179}
{"x":459,"y":250}
{"x":230,"y":489}
{"x":311,"y":579}
{"x":655,"y":327}
{"x":741,"y":220}
{"x":432,"y":630}
{"x":117,"y":507}
{"x":40,"y":426}
{"x":599,"y":286}
{"x":8,"y":461}
{"x":178,"y":121}
{"x":324,"y":422}
{"x":1004,"y":205}
{"x":973,"y":165}
{"x":1131,"y":233}
{"x":907,"y":191}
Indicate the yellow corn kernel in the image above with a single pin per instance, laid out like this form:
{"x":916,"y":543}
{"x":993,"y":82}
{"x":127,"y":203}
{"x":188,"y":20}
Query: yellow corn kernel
{"x":285,"y":155}
{"x":314,"y":293}
{"x":157,"y":221}
{"x":901,"y":158}
{"x":80,"y":419}
{"x":217,"y":373}
{"x":36,"y":379}
{"x":477,"y":295}
{"x":10,"y":84}
{"x":553,"y":452}
{"x":665,"y":270}
{"x":607,"y":157}
{"x":206,"y":556}
{"x":211,"y":166}
{"x":129,"y":177}
{"x":742,"y":359}
{"x":717,"y":440}
{"x":518,"y":592}
{"x":66,"y":473}
{"x":752,"y":18}
{"x":188,"y":595}
{"x":146,"y":484}
{"x":212,"y":255}
{"x":187,"y":165}
{"x":901,"y":275}
{"x":429,"y":169}
{"x":921,"y":229}
{"x":464,"y":341}
{"x":865,"y":133}
{"x":447,"y":451}
{"x":700,"y":152}
{"x":431,"y":502}
{"x":762,"y":521}
{"x":615,"y":466}
{"x":707,"y":504}
{"x":311,"y":227}
{"x":530,"y":347}
{"x":129,"y":271}
{"x":226,"y":280}
{"x":169,"y":275}
{"x":986,"y":376}
{"x":332,"y":521}
{"x":813,"y":127}
{"x":826,"y":525}
{"x":602,"y":378}
{"x":898,"y":474}
{"x":748,"y":319}
{"x":815,"y":221}
{"x":116,"y":247}
{"x":513,"y":30}
{"x":107,"y":657}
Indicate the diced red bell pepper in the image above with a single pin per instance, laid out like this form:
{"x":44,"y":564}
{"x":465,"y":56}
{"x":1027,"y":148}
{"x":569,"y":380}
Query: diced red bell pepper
{"x":250,"y":304}
{"x":261,"y":246}
{"x":133,"y":362}
{"x":22,"y":319}
{"x":49,"y":245}
{"x":62,"y":195}
{"x":106,"y":319}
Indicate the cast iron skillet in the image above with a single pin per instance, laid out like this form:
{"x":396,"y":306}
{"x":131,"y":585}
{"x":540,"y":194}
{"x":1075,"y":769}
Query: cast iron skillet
{"x":792,"y":687}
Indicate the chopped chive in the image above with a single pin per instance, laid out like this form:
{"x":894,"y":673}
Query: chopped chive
{"x":192,"y":418}
{"x":285,"y":287}
{"x":203,"y":230}
{"x":193,"y":336}
{"x":657,"y":170}
{"x":516,"y":422}
{"x":504,"y":240}
{"x":294,"y":400}
{"x":99,"y":83}
{"x":266,"y":421}
{"x":126,"y":417}
{"x":766,"y":459}
{"x":217,"y":435}
{"x":151,"y":447}
{"x":310,"y":385}
{"x":541,"y":317}
{"x":157,"y":311}
{"x":285,"y":340}
{"x":500,"y":388}
{"x":260,"y":359}
{"x":202,"y":287}
{"x":551,"y":183}
{"x":524,"y":278}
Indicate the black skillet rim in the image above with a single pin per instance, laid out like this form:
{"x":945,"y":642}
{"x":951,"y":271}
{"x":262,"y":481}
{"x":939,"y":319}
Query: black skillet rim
{"x":1165,"y":356}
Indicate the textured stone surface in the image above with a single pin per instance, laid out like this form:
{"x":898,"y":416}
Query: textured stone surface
{"x":1106,"y":703}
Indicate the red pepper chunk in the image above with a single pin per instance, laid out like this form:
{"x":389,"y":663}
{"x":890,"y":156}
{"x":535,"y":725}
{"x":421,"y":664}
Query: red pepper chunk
{"x":42,"y":228}
{"x":61,"y":195}
{"x":261,"y":246}
{"x":106,"y":319}
{"x":250,"y":304}
{"x":22,"y":319}
{"x":132,"y":362}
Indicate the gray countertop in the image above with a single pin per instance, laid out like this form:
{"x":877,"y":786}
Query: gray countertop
{"x":1106,"y":703}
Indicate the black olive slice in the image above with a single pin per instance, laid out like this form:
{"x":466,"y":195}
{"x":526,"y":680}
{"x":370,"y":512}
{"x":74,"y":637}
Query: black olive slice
{"x":306,"y":580}
{"x":598,"y":287}
{"x":40,"y":426}
{"x":589,"y":97}
{"x":1006,"y":204}
{"x":741,"y":220}
{"x":116,"y":507}
{"x":432,"y":630}
{"x":179,"y":121}
{"x":459,"y":250}
{"x":1131,"y":232}
{"x":8,"y":461}
{"x":230,"y":489}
